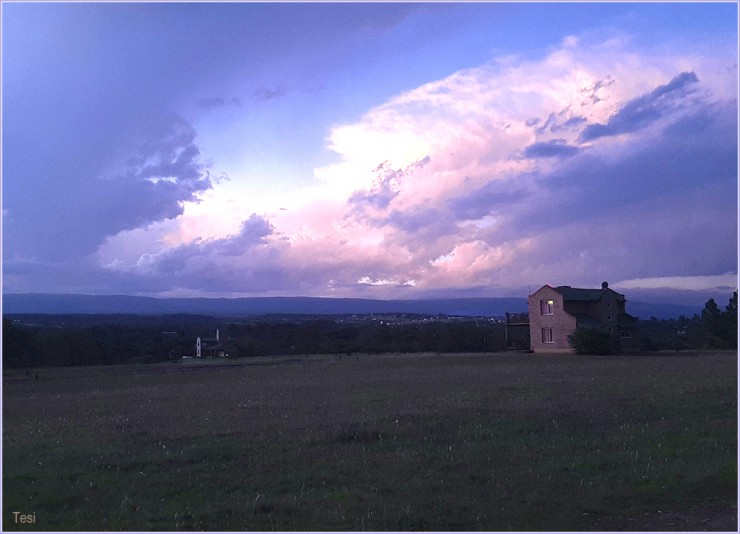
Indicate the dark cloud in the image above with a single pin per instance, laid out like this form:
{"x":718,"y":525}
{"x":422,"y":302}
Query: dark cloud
{"x":698,"y":151}
{"x":87,"y":205}
{"x":253,"y":232}
{"x":495,"y":196}
{"x":664,"y":204}
{"x":644,"y":110}
{"x":569,"y":123}
{"x":416,"y":220}
{"x":241,"y":261}
{"x":166,"y":172}
{"x":550,"y":149}
{"x":556,"y":122}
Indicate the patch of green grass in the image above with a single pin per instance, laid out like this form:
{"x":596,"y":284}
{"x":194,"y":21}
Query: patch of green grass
{"x":588,"y":446}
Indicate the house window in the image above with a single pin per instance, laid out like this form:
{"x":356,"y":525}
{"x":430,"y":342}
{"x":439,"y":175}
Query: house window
{"x":625,"y":334}
{"x":546,"y":307}
{"x":547,"y":335}
{"x":609,"y":318}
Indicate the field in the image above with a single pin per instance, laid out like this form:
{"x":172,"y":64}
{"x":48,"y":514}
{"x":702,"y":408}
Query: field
{"x":384,"y":442}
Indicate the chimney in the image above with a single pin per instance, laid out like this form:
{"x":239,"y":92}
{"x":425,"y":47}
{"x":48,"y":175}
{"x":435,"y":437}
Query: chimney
{"x":217,"y":340}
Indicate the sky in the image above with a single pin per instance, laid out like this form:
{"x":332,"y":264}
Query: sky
{"x":387,"y":150}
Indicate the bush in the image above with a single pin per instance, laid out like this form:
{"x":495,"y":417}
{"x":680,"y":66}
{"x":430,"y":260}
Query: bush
{"x":648,"y":345}
{"x":590,"y":341}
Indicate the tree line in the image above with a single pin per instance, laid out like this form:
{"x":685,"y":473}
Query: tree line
{"x":52,"y":340}
{"x":712,"y":329}
{"x":35,"y":341}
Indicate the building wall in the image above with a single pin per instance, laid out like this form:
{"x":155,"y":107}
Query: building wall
{"x":607,"y":311}
{"x":561,"y":322}
{"x":604,"y":311}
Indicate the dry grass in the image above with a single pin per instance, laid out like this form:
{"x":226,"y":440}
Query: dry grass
{"x":389,"y":442}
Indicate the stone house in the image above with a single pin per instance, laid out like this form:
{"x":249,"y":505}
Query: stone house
{"x":555,"y":312}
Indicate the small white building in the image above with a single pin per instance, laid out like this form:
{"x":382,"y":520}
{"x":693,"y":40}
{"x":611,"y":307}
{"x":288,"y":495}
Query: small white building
{"x":210,"y":347}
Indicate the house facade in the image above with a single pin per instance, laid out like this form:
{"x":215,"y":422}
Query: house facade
{"x":555,"y":312}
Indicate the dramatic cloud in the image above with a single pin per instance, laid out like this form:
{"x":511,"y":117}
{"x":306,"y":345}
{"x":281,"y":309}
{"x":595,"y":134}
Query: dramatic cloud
{"x":482,"y":200}
{"x":550,"y":149}
{"x":645,"y":109}
{"x":218,"y":265}
{"x":152,"y":184}
{"x":580,"y":158}
{"x":386,"y":186}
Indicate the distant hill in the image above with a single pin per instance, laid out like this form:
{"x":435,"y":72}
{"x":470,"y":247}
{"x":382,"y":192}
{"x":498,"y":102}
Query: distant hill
{"x":107,"y":304}
{"x":233,"y":307}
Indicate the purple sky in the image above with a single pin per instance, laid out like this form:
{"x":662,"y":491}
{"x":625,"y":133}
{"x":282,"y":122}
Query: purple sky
{"x":374,"y":150}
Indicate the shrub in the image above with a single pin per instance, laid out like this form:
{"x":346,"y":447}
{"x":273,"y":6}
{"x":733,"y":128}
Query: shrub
{"x":590,"y":341}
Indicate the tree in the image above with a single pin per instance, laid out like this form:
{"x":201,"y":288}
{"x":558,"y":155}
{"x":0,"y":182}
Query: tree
{"x":711,"y":318}
{"x":720,"y":328}
{"x":590,"y":341}
{"x":18,"y":346}
{"x":730,"y":322}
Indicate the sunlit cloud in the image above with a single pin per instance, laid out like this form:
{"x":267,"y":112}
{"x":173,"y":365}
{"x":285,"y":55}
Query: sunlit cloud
{"x":727,"y":282}
{"x":590,"y":158}
{"x":458,"y":183}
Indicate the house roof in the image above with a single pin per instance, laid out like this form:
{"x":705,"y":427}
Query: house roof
{"x":580,"y":294}
{"x":627,"y":321}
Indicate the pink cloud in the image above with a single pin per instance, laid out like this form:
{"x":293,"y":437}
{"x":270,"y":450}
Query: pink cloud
{"x":464,"y":182}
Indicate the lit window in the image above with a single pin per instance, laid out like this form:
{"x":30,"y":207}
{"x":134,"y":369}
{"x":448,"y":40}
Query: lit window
{"x":547,"y":335}
{"x":546,"y":307}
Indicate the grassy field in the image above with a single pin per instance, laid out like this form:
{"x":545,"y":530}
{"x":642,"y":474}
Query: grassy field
{"x":386,"y":442}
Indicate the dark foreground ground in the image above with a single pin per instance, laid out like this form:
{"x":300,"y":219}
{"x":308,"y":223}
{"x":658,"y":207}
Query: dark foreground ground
{"x":391,"y":442}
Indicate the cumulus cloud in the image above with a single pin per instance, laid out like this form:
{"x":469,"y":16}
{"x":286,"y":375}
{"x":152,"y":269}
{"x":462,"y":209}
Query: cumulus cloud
{"x":165,"y":173}
{"x":157,"y":178}
{"x":550,"y":149}
{"x":500,"y":176}
{"x":241,"y":261}
{"x":386,"y":187}
{"x":476,"y":191}
{"x":645,"y":109}
{"x":510,"y":192}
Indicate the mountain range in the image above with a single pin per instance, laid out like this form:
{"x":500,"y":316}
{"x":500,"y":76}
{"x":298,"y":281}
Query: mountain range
{"x":233,"y":307}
